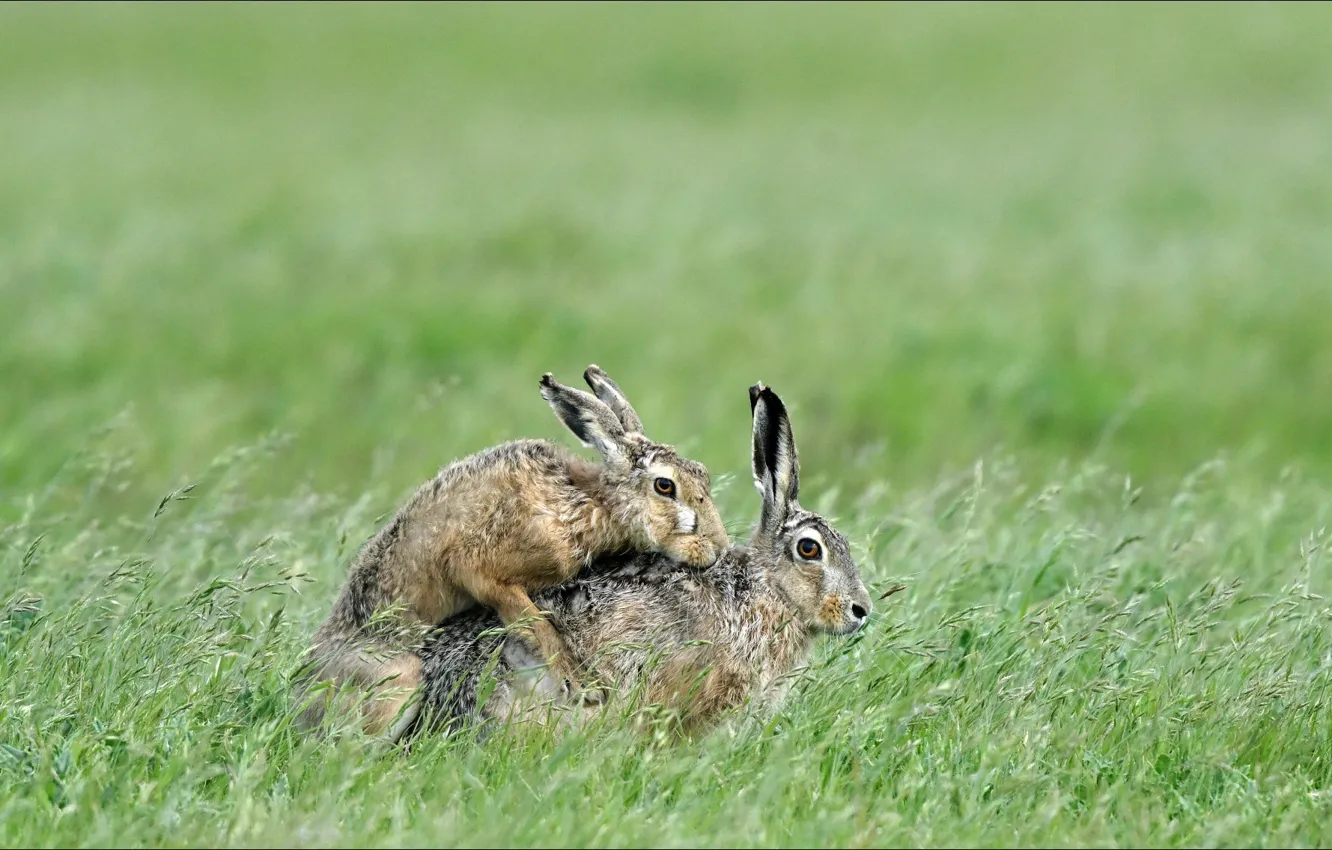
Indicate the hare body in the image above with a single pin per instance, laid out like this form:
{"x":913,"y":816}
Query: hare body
{"x":699,"y":642}
{"x":493,"y":527}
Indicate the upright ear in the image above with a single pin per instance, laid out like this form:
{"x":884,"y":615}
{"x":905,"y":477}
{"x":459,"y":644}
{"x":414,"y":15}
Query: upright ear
{"x":776,"y":466}
{"x":760,"y":465}
{"x":590,"y":419}
{"x":609,"y":392}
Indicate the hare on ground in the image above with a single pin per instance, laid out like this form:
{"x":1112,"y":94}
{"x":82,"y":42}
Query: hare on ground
{"x":698,"y":642}
{"x":491,"y":528}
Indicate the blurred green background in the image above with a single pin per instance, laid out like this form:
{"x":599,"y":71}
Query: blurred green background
{"x":1078,"y":241}
{"x":939,"y":230}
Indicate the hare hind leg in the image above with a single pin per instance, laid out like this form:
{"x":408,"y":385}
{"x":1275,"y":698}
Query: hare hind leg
{"x":514,"y":606}
{"x":700,"y":687}
{"x":398,"y":681}
{"x":373,"y":690}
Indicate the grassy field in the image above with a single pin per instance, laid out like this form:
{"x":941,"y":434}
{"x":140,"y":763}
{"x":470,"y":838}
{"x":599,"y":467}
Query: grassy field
{"x":1048,"y":289}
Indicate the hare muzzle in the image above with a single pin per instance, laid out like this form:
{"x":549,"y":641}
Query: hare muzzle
{"x":843,"y":616}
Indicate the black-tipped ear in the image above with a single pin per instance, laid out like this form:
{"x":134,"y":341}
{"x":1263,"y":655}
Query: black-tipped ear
{"x":754,"y":393}
{"x":774,"y":447}
{"x":590,"y":419}
{"x":610,"y":393}
{"x":760,"y":465}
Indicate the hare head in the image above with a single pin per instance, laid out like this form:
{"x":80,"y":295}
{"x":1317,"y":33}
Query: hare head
{"x":812,"y":564}
{"x":664,"y":498}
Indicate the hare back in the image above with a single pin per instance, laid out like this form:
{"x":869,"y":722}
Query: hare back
{"x":512,"y":510}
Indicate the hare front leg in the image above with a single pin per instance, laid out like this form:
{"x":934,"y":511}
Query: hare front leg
{"x":513,"y":605}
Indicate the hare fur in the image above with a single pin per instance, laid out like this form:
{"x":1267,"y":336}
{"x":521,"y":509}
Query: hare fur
{"x":699,"y":642}
{"x":491,"y":528}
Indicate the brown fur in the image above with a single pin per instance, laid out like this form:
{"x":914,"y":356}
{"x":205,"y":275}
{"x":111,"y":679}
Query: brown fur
{"x":695,"y":642}
{"x":493,"y":527}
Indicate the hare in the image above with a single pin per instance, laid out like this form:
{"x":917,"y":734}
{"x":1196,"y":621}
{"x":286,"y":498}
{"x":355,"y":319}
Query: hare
{"x":722,"y":634}
{"x":493,"y":527}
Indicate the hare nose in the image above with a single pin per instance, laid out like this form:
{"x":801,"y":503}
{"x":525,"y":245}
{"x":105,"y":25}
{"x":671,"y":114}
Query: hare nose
{"x":858,"y":612}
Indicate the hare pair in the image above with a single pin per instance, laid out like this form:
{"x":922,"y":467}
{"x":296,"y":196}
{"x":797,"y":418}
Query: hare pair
{"x":493,"y":527}
{"x":699,"y":642}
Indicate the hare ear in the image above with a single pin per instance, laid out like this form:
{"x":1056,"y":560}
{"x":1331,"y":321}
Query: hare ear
{"x":760,"y":465}
{"x":774,"y":448}
{"x":590,"y":420}
{"x":609,"y":392}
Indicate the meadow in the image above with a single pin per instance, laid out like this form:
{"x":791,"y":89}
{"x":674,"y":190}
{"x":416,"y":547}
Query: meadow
{"x":1046,"y":287}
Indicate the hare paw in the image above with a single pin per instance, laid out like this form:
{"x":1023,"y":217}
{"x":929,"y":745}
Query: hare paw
{"x":591,"y":696}
{"x":576,"y":689}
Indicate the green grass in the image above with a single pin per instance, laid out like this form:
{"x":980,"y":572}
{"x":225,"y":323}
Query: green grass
{"x":1046,"y":287}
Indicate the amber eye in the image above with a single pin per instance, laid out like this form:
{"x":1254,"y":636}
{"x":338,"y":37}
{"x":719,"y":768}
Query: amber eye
{"x":808,"y":548}
{"x":664,"y":487}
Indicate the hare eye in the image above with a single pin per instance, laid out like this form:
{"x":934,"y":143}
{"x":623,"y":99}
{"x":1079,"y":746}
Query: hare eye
{"x":664,"y":487}
{"x":808,"y":548}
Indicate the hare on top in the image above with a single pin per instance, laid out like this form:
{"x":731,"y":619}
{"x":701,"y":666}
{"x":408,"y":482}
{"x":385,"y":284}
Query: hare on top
{"x":491,"y":528}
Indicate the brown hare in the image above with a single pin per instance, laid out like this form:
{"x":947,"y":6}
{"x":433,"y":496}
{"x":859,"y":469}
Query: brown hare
{"x":697,"y":641}
{"x":491,"y":528}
